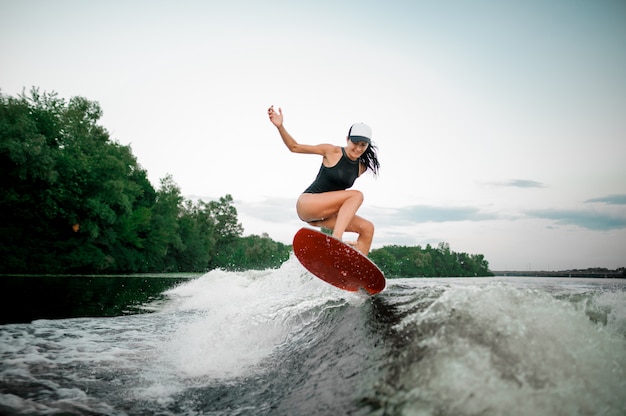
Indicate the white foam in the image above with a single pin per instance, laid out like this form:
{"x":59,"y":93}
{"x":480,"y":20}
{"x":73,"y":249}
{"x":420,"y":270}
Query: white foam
{"x":241,"y":318}
{"x":467,"y":347}
{"x":536,"y":354}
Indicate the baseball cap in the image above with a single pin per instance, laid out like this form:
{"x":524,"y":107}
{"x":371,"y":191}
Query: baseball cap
{"x":360,"y":132}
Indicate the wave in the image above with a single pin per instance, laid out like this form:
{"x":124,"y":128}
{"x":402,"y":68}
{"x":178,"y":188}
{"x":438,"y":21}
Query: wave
{"x":497,"y":349}
{"x":448,"y":346}
{"x":281,"y":342}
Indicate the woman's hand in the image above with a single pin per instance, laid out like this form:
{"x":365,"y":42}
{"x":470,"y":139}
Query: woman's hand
{"x":275,"y":118}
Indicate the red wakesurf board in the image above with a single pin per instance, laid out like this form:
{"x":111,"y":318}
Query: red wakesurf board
{"x":336,"y":262}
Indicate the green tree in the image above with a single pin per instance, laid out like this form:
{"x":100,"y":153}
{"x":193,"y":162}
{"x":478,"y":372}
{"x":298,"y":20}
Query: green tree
{"x":198,"y":235}
{"x":163,"y":240}
{"x":73,"y":200}
{"x":251,"y":252}
{"x":403,"y":261}
{"x":26,"y":171}
{"x":224,"y":215}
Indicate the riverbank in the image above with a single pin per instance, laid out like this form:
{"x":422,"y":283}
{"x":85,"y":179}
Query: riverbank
{"x":594,"y":273}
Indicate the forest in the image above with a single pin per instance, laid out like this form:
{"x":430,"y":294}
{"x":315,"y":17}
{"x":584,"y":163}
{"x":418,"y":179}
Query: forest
{"x":75,"y":201}
{"x":440,"y":261}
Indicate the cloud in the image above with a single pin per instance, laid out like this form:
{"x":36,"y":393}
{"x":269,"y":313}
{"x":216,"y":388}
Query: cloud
{"x":591,"y":220}
{"x":429,"y":213}
{"x":614,"y":199}
{"x":521,"y":183}
{"x":281,"y":210}
{"x":273,"y":210}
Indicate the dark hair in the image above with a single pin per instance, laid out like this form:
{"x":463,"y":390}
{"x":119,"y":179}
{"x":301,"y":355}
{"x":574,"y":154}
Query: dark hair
{"x":370,"y":159}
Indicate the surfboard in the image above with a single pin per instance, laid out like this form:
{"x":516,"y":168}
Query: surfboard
{"x":336,"y":262}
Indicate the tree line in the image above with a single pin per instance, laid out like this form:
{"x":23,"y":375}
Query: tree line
{"x":74,"y":201}
{"x":440,"y":261}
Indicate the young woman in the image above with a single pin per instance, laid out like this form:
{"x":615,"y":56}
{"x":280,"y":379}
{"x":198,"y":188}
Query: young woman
{"x":328,"y":202}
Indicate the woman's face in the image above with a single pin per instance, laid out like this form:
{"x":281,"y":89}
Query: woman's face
{"x":356,"y":150}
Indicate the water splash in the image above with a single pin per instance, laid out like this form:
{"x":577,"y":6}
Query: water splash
{"x":502,"y":350}
{"x":239,"y":319}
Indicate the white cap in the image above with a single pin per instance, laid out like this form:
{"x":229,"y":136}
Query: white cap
{"x":360,"y":132}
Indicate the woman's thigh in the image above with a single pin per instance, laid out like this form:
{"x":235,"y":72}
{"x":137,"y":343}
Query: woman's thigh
{"x":356,"y":225}
{"x":314,"y":207}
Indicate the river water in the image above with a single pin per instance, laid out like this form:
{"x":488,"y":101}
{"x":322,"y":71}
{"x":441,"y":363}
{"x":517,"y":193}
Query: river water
{"x":281,"y":342}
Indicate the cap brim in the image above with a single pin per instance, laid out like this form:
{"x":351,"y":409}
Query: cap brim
{"x":357,"y":139}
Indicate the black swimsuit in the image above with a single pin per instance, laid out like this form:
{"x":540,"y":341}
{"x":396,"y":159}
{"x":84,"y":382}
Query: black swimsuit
{"x":336,"y":178}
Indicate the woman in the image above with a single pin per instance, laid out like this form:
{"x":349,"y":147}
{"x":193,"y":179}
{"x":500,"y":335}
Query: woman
{"x":328,"y":202}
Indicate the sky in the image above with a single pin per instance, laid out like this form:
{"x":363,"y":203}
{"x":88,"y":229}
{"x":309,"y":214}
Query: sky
{"x":501,"y":126}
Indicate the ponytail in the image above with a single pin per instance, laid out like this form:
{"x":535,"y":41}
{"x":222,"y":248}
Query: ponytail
{"x":370,"y":159}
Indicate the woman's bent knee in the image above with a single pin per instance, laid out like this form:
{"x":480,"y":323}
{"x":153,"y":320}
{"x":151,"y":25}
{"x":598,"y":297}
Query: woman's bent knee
{"x":356,"y":194}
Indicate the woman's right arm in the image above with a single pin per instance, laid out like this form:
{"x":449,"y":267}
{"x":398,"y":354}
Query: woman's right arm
{"x":290,"y":142}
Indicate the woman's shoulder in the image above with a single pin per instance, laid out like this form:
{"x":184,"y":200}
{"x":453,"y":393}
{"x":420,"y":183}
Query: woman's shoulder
{"x":328,"y":150}
{"x":331,"y":149}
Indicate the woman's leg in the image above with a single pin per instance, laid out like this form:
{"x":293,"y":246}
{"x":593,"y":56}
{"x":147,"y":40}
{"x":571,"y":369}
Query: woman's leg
{"x":359,"y":225}
{"x":342,"y":205}
{"x":337,"y":211}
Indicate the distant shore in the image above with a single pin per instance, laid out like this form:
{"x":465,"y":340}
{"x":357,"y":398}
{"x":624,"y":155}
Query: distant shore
{"x":595,"y":272}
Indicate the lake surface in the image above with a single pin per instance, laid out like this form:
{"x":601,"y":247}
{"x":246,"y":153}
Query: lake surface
{"x":26,"y":298}
{"x":281,"y":342}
